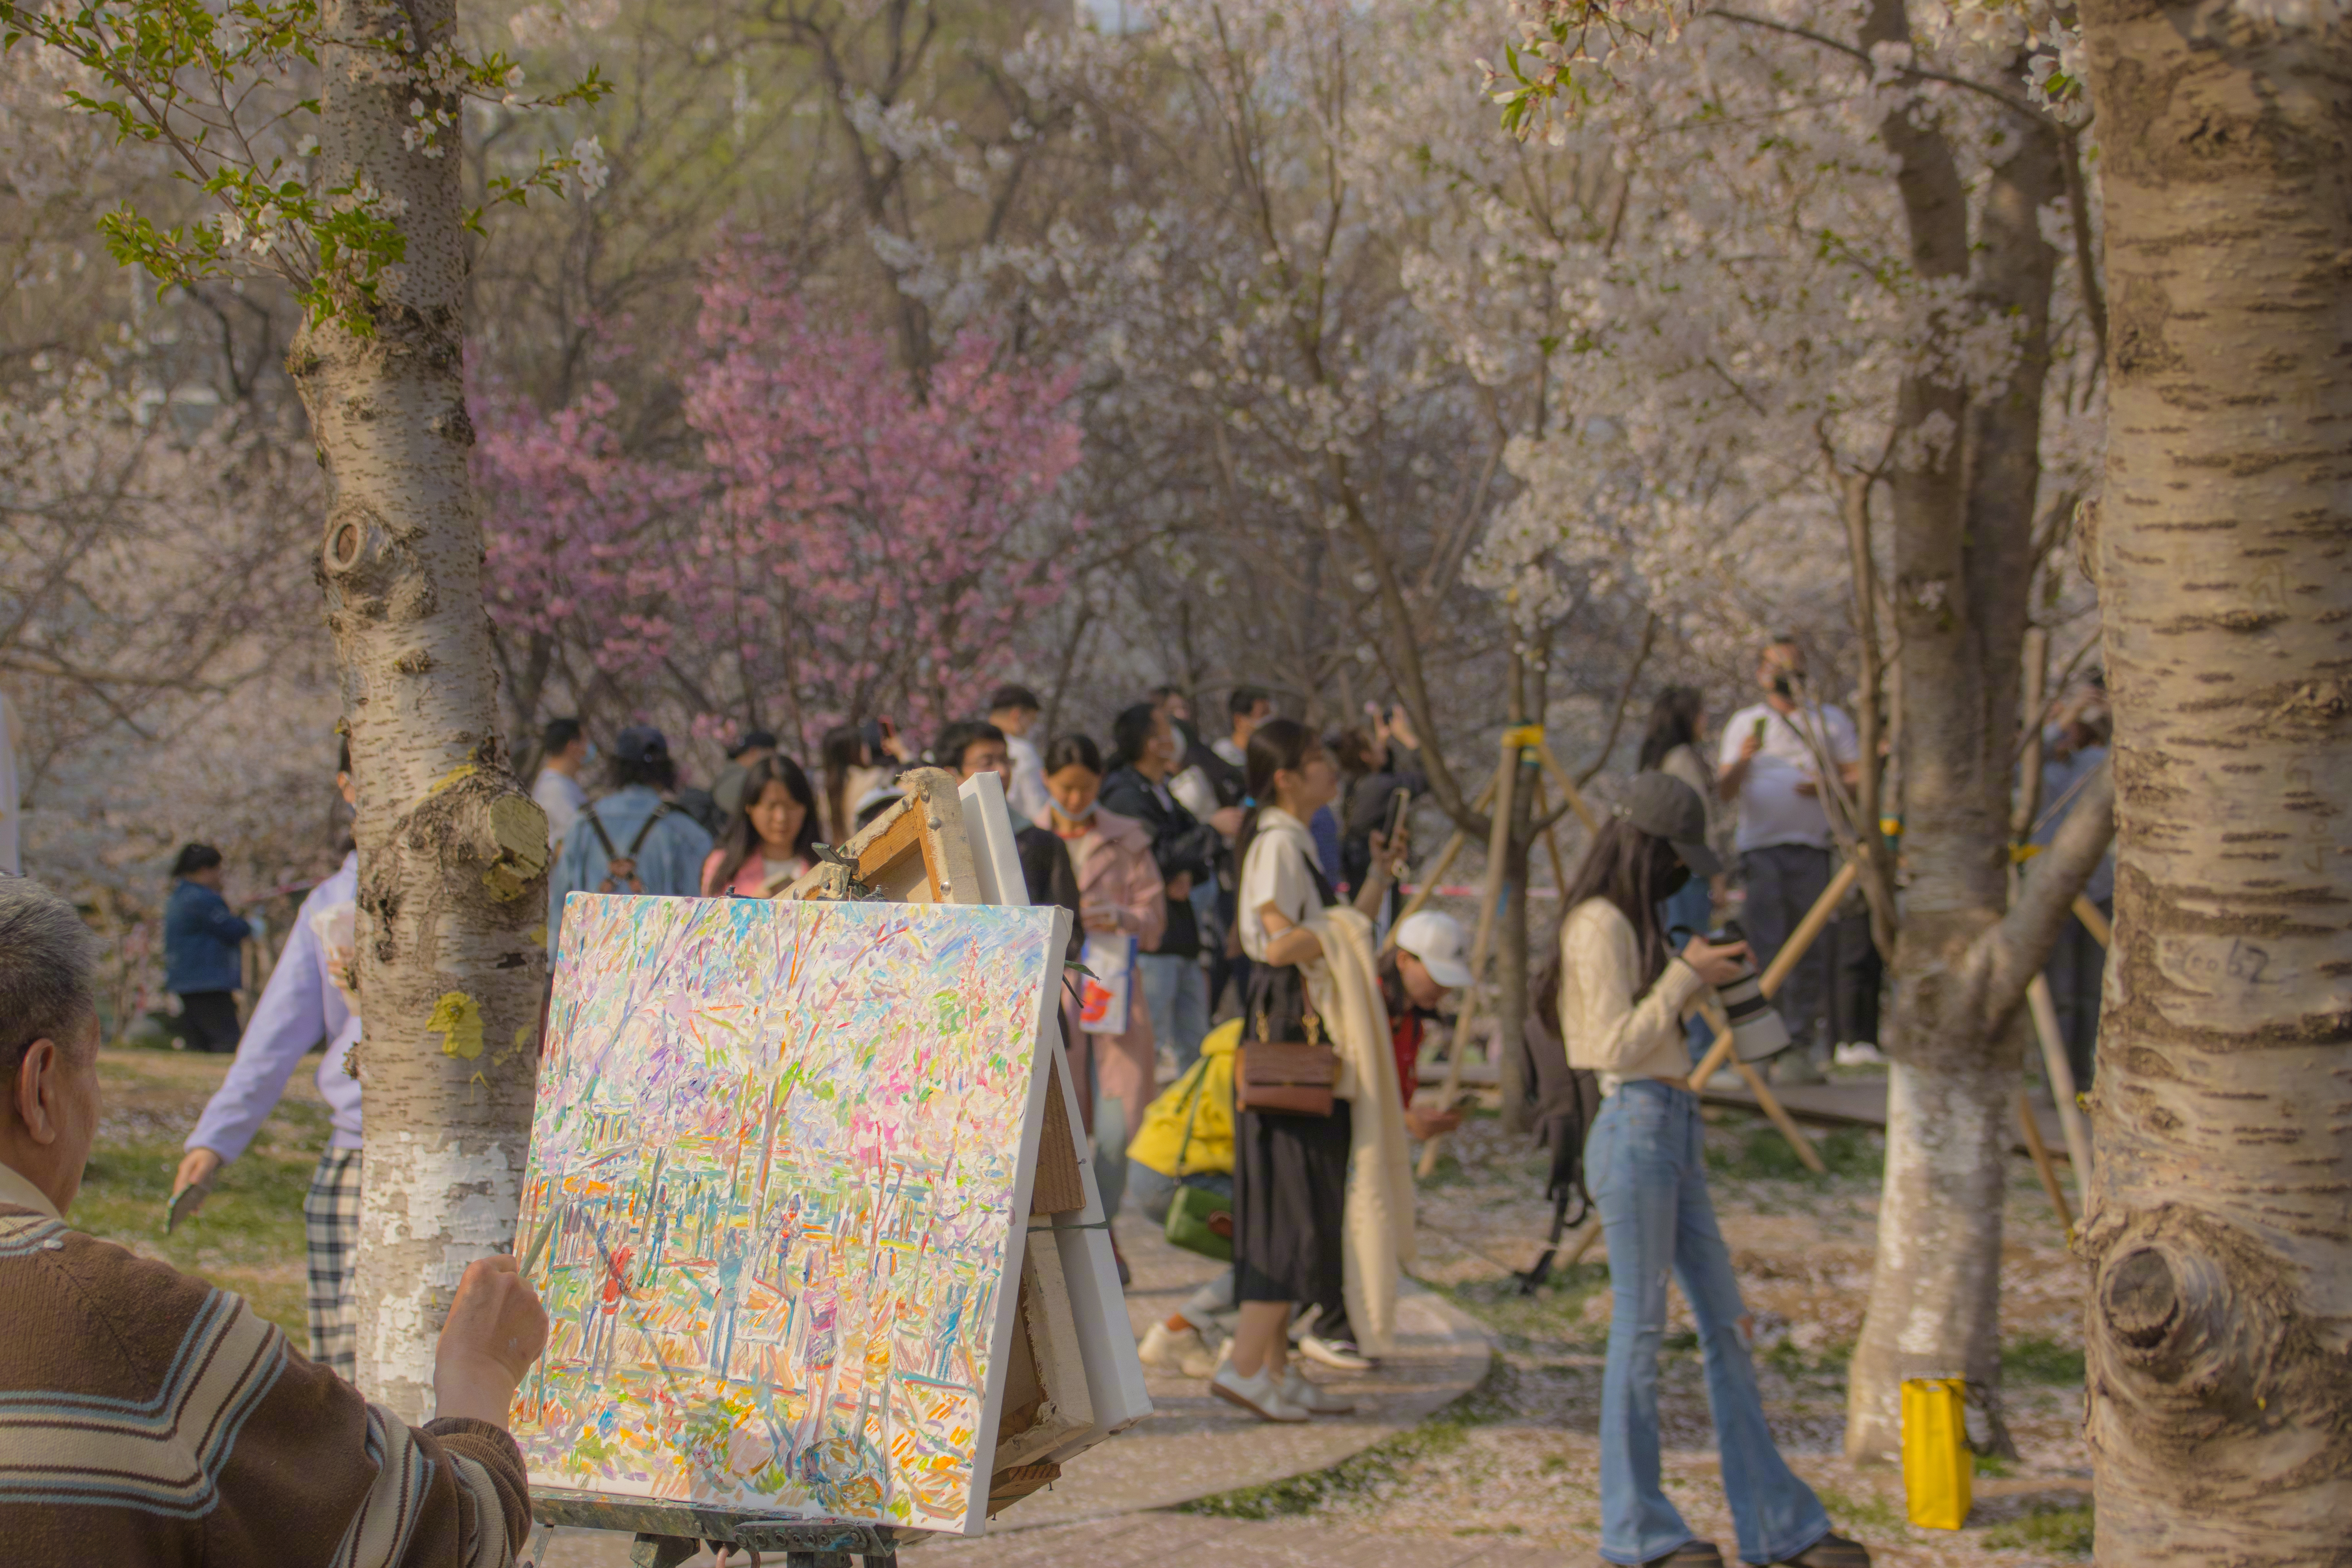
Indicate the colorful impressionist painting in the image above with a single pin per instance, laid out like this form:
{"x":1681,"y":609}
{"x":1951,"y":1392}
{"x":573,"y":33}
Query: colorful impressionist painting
{"x":772,"y":1197}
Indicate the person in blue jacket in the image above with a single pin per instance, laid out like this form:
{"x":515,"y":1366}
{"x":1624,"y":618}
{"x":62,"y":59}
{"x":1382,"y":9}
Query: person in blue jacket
{"x":203,"y":962}
{"x":634,"y":840}
{"x":310,"y":996}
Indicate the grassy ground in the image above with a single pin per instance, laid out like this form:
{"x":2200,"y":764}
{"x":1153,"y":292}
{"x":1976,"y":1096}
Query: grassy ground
{"x":249,"y":1238}
{"x":1519,"y":1458}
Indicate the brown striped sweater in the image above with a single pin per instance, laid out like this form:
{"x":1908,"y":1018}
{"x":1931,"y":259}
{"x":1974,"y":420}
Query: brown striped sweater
{"x":147,"y":1417}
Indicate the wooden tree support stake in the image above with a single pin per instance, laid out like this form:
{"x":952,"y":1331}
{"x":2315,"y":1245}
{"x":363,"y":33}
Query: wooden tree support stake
{"x":1443,"y":864}
{"x":1551,"y":845}
{"x":1567,"y":790}
{"x":1498,"y":843}
{"x":2060,"y":1073}
{"x":2041,"y":1162}
{"x":2094,"y":921}
{"x":1771,"y":1102}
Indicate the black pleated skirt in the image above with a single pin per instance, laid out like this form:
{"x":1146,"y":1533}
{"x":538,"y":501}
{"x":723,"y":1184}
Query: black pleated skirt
{"x":1291,"y":1189}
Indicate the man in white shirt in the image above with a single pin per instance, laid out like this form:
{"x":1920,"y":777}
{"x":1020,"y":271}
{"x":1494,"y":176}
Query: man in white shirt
{"x":557,"y":789}
{"x":1014,"y":709}
{"x":1770,"y":765}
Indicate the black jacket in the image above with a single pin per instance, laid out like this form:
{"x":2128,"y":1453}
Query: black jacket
{"x":1368,"y":808}
{"x":1045,"y":868}
{"x":1180,"y":844}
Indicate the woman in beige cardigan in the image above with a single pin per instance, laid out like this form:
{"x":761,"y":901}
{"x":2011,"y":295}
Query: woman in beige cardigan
{"x":1624,"y":992}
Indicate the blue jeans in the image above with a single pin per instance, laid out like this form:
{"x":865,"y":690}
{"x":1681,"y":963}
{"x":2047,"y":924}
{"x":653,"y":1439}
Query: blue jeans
{"x":1643,"y":1166}
{"x":1176,"y":993}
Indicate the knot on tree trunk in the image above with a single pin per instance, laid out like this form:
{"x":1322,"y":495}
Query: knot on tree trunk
{"x":478,"y":817}
{"x":2194,"y":1313}
{"x":369,"y":573}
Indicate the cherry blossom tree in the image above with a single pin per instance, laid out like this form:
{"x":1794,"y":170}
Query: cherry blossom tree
{"x":848,"y":545}
{"x":317,"y":136}
{"x":1833,"y":309}
{"x":2221,"y":1300}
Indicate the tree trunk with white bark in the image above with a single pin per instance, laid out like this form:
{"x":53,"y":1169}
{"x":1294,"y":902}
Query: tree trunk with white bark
{"x":453,"y":854}
{"x":1964,"y":515}
{"x":2219,"y":1327}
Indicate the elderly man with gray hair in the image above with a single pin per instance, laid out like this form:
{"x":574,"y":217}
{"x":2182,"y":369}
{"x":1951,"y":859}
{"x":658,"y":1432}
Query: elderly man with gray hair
{"x":148,"y":1418}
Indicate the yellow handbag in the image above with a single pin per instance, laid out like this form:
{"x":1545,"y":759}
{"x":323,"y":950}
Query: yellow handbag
{"x":1939,"y":1466}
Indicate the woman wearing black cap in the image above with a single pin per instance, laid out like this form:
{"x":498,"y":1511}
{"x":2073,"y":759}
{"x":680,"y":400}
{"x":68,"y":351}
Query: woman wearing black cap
{"x":1623,"y":1000}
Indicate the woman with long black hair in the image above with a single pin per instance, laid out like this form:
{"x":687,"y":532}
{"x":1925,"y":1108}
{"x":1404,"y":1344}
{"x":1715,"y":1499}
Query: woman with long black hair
{"x":773,"y":833}
{"x":1292,"y":1228}
{"x":1624,"y":992}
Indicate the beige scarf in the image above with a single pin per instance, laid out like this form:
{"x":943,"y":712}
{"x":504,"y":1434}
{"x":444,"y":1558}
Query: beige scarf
{"x":1377,"y":1228}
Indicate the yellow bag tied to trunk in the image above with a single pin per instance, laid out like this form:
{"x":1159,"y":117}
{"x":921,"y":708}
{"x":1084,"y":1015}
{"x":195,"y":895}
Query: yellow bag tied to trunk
{"x":1938,"y":1467}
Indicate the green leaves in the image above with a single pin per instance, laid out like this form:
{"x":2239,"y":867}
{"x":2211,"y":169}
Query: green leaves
{"x":229,"y":92}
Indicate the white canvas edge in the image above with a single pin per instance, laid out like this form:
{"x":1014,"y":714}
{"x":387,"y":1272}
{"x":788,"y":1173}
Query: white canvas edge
{"x":1098,"y":1305}
{"x":1008,"y":1296}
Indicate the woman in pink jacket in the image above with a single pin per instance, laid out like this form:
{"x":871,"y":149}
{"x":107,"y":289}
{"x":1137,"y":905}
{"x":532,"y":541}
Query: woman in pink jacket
{"x":1119,"y":890}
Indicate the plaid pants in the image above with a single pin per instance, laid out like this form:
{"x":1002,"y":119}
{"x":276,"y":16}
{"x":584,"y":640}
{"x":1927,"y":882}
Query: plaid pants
{"x":330,"y":1227}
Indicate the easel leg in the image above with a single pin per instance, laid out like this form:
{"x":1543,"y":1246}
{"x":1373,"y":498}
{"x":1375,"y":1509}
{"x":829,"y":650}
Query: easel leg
{"x":2041,"y":1163}
{"x":661,"y":1551}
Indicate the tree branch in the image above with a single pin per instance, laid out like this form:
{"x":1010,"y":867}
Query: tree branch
{"x":1625,"y":697}
{"x":2014,"y":951}
{"x":1911,"y":73}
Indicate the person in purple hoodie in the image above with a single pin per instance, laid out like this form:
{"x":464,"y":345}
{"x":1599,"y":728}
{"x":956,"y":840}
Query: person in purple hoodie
{"x":309,"y":995}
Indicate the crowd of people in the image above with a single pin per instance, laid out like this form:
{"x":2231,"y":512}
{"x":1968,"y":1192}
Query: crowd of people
{"x":1254,"y":875}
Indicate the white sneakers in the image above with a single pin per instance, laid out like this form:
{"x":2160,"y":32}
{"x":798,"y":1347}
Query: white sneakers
{"x":1335,"y":1353}
{"x":1171,"y":1351}
{"x":1313,"y":1398}
{"x":1293,"y":1399}
{"x":1260,"y":1395}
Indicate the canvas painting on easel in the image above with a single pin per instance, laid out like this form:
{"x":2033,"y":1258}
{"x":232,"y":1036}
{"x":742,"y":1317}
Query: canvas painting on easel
{"x":779,"y":1167}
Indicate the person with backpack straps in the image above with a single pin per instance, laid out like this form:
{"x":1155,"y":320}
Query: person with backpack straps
{"x":1623,"y":996}
{"x":631,"y":840}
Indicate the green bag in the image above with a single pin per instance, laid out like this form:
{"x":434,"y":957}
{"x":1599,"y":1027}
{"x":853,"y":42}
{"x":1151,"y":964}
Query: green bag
{"x":1197,"y":1219}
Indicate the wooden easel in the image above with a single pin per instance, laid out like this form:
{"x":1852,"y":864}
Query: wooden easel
{"x":1073,"y":1378}
{"x":945,"y":843}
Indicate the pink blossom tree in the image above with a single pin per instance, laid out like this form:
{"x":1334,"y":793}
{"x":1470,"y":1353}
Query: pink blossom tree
{"x":575,"y":542}
{"x":868,"y":546}
{"x":852,"y":543}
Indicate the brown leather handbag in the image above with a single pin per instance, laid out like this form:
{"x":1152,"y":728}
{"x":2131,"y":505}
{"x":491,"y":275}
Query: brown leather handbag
{"x":1294,"y":1077}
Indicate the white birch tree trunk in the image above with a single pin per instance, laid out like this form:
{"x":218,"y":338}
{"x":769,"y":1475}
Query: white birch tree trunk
{"x":453,"y":854}
{"x":1934,"y":1307}
{"x":2219,"y":1229}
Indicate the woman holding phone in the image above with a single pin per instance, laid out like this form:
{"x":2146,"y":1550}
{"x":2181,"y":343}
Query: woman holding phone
{"x":1623,"y":994}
